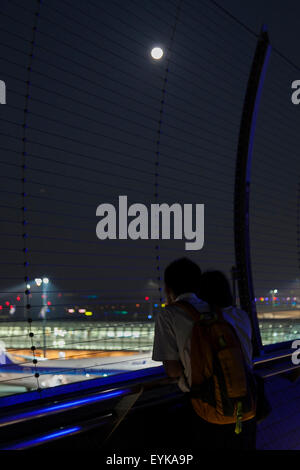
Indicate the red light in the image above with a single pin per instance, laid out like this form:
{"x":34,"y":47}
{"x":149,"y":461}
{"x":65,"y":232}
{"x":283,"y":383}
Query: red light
{"x":1,"y":307}
{"x":48,"y":303}
{"x":18,"y":298}
{"x":11,"y":306}
{"x":43,"y":296}
{"x":7,"y":303}
{"x":146,"y":298}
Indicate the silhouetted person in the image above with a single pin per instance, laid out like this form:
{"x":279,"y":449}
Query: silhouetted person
{"x":215,"y":290}
{"x":172,"y":346}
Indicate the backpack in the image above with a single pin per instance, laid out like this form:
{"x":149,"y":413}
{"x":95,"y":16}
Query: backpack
{"x":223,"y":388}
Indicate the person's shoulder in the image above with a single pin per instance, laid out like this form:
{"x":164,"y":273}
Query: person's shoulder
{"x":235,"y":310}
{"x":177,"y":310}
{"x":165,"y":314}
{"x":236,"y":314}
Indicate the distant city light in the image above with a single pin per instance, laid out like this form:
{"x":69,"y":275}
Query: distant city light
{"x":28,"y":286}
{"x":18,"y":298}
{"x":45,"y":280}
{"x":7,"y":303}
{"x":155,"y":305}
{"x":146,"y":298}
{"x":71,"y":310}
{"x":88,"y":314}
{"x":163,"y":305}
{"x":38,"y":281}
{"x":1,"y":307}
{"x":82,"y":310}
{"x":48,"y":303}
{"x":149,"y":317}
{"x":137,"y":305}
{"x":12,"y":309}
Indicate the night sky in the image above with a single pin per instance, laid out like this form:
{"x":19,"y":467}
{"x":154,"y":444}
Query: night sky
{"x":98,"y":124}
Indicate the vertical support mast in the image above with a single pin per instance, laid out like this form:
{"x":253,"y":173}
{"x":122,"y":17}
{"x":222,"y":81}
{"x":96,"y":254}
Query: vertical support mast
{"x":242,"y":183}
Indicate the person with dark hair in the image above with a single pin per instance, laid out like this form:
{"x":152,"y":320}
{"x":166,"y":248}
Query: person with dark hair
{"x":173,"y":326}
{"x":215,"y":290}
{"x":185,"y":284}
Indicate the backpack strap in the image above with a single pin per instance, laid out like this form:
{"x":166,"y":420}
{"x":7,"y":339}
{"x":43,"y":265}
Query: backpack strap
{"x":195,"y":314}
{"x":188,"y":308}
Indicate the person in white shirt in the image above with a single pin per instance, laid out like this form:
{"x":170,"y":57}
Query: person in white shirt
{"x":173,"y":327}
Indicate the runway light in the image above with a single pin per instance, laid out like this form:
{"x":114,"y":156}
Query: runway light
{"x":18,"y":298}
{"x":45,"y":280}
{"x":48,"y":303}
{"x":28,"y":286}
{"x":146,"y":298}
{"x":163,"y":305}
{"x":88,"y":314}
{"x":7,"y":303}
{"x":1,"y":307}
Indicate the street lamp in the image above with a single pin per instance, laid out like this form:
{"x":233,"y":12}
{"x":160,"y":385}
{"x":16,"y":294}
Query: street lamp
{"x":44,"y":283}
{"x":272,"y":292}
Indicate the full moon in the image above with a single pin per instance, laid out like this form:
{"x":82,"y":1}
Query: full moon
{"x":157,"y":53}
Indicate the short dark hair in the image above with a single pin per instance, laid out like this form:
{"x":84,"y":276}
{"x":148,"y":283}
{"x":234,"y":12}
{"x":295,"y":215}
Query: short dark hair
{"x":215,"y":289}
{"x":183,"y":275}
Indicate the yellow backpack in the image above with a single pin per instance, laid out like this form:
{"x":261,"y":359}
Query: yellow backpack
{"x":223,"y":389}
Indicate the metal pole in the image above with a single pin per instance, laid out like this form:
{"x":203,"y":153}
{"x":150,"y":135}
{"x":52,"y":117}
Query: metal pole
{"x":234,"y":279}
{"x":242,"y":183}
{"x":44,"y":337}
